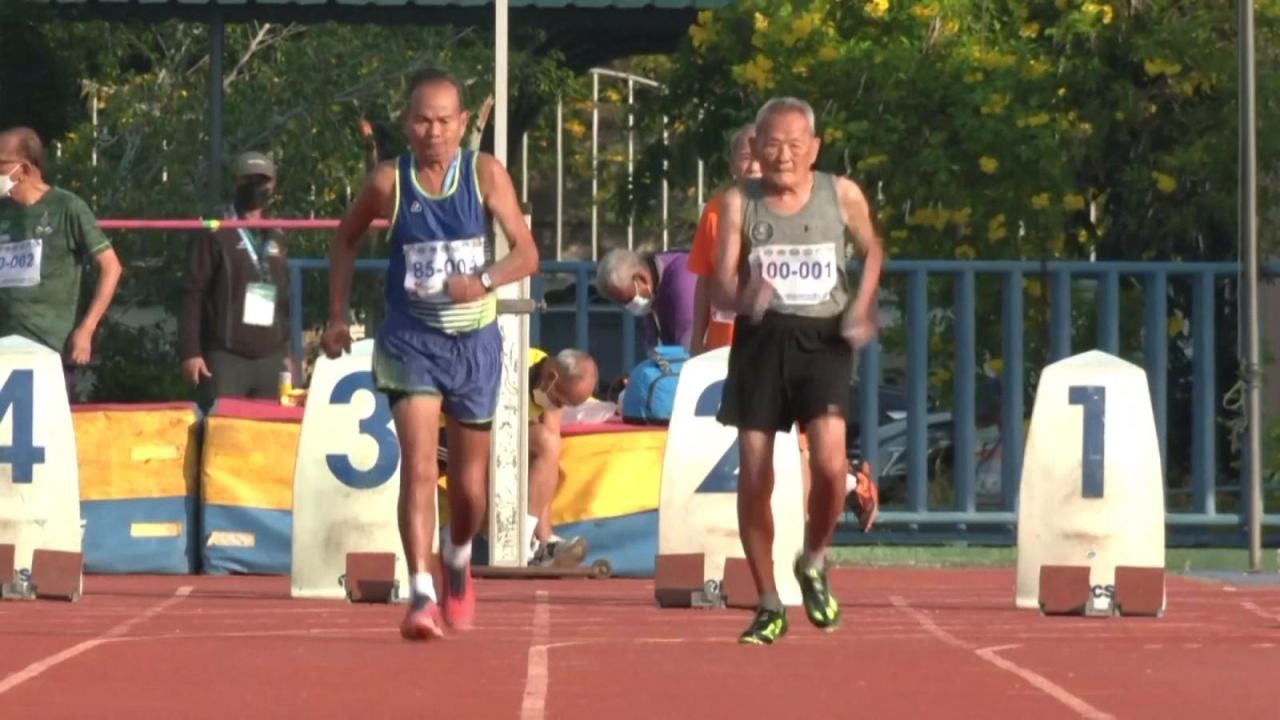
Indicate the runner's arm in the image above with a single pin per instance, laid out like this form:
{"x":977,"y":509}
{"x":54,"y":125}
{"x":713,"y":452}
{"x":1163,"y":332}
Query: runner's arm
{"x":500,"y":198}
{"x":374,"y":201}
{"x":857,"y":217}
{"x":724,"y":280}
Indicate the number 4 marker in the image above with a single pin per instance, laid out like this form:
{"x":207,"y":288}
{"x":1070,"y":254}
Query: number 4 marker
{"x":22,"y":455}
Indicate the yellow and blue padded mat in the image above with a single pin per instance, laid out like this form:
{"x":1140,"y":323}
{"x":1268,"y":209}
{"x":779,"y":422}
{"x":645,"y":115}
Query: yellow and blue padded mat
{"x":139,"y":465}
{"x":246,"y":487}
{"x":610,"y":477}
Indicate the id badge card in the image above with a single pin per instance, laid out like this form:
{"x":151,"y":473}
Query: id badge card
{"x":260,"y":305}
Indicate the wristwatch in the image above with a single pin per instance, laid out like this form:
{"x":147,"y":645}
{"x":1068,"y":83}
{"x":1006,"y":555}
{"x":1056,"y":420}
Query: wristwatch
{"x":486,"y":281}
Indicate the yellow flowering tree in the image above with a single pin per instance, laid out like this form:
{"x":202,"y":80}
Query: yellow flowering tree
{"x":1004,"y":128}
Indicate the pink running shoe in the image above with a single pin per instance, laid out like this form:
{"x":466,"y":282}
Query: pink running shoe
{"x":422,"y":623}
{"x":458,"y":601}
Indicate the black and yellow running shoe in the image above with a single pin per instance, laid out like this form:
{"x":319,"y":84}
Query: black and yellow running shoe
{"x":769,"y":625}
{"x":819,"y":604}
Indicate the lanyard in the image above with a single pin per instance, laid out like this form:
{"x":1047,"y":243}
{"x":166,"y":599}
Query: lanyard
{"x":251,"y":246}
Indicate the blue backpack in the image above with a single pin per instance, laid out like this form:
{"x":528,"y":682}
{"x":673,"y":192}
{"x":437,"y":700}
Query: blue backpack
{"x":651,"y":386}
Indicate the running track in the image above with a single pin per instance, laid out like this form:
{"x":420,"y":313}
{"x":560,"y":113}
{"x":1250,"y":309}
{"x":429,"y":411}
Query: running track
{"x":916,"y":644}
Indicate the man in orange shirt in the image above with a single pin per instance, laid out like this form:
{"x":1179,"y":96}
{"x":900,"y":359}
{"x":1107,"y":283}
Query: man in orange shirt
{"x":713,"y":328}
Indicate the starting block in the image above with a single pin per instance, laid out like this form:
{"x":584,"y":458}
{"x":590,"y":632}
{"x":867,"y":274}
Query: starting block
{"x":371,"y":578}
{"x":697,"y":503}
{"x":1067,"y":590}
{"x":14,"y":585}
{"x":679,"y":581}
{"x":57,"y":575}
{"x":1140,"y":591}
{"x":739,"y":586}
{"x":1091,"y":495}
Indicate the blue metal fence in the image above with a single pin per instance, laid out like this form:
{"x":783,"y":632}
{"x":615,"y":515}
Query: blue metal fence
{"x":572,"y":316}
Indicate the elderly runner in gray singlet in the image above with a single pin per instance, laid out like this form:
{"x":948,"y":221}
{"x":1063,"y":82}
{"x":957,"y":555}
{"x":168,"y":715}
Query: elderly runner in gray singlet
{"x":781,"y":266}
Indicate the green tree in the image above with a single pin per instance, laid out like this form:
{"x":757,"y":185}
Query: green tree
{"x":297,"y":92}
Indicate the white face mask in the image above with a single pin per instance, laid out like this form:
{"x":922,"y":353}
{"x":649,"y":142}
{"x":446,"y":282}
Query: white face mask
{"x":7,"y":184}
{"x":639,"y":306}
{"x":543,"y":400}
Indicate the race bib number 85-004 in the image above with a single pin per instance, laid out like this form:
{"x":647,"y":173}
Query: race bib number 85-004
{"x":20,"y":263}
{"x":799,"y":274}
{"x":427,"y":265}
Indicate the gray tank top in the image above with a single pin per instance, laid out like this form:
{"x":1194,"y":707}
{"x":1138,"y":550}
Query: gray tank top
{"x":802,"y":255}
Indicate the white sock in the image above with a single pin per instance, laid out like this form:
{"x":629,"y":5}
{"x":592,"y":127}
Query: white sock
{"x":456,"y":556}
{"x":850,"y":483}
{"x":531,"y":522}
{"x":815,"y":560}
{"x":423,"y":585}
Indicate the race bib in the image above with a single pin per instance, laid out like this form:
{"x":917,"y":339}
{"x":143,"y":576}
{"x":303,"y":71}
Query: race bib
{"x":427,"y":265}
{"x":799,"y":274}
{"x":20,"y":263}
{"x":260,"y":305}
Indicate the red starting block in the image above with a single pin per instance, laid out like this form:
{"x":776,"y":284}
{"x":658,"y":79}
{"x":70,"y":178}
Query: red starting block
{"x":1064,"y":590}
{"x":1140,"y":591}
{"x":12,"y":587}
{"x":56,"y":575}
{"x":679,"y":581}
{"x":7,"y":553}
{"x":739,"y":587}
{"x":371,"y":578}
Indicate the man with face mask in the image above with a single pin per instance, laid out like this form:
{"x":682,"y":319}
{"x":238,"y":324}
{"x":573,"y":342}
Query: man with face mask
{"x":556,"y":382}
{"x":47,"y":235}
{"x":657,"y":287}
{"x":235,"y":317}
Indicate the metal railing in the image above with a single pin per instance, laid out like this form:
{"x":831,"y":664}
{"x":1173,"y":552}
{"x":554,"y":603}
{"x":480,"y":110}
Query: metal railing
{"x":571,"y":318}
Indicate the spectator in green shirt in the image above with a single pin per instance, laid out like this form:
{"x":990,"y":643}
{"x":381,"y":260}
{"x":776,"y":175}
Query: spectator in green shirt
{"x":47,"y":236}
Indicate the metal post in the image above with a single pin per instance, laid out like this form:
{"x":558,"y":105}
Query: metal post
{"x":1249,"y":269}
{"x":595,"y":164}
{"x":559,"y":177}
{"x":509,"y":442}
{"x":666,"y":192}
{"x":631,"y":156}
{"x":524,"y":169}
{"x":217,"y":34}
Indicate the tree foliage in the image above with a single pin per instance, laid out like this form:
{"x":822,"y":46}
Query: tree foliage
{"x":140,"y":147}
{"x":1004,"y":128}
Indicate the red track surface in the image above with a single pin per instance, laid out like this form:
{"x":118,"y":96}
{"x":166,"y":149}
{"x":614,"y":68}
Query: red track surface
{"x":916,"y":644}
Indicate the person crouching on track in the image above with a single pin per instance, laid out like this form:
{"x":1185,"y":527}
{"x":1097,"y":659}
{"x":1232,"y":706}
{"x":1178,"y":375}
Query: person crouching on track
{"x":780,"y":265}
{"x":555,"y":383}
{"x":439,"y":348}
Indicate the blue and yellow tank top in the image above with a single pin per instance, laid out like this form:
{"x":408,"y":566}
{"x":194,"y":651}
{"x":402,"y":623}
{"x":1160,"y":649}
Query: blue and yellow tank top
{"x":433,"y":237}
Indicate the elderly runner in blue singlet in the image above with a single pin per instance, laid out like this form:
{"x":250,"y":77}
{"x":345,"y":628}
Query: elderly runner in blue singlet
{"x":780,"y":265}
{"x":439,"y":348}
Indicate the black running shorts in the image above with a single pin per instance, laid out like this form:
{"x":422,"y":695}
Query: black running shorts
{"x":786,"y":370}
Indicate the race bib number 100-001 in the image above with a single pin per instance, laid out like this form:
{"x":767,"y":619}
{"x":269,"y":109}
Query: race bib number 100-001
{"x":799,"y":274}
